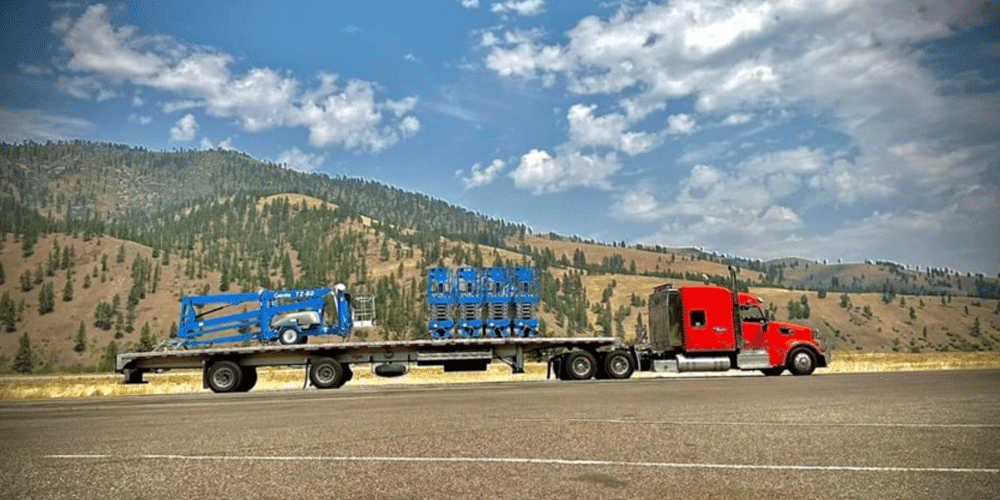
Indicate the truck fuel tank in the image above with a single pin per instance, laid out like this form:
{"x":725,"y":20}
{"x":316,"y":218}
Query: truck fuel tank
{"x":702,"y":364}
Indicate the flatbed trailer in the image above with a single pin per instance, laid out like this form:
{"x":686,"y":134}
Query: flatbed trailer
{"x":328,"y":366}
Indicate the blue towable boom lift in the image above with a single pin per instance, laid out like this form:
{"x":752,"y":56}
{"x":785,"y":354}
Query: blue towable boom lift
{"x":289,"y":316}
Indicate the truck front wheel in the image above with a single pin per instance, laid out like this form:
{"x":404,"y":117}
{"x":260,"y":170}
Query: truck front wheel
{"x":224,"y":376}
{"x":801,"y":362}
{"x":580,"y":365}
{"x":326,"y":373}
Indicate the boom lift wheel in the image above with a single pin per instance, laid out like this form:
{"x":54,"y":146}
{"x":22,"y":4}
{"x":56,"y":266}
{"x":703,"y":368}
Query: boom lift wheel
{"x":618,"y":365}
{"x":580,"y":365}
{"x":224,"y":376}
{"x":326,"y":373}
{"x":801,"y":362}
{"x":290,"y":336}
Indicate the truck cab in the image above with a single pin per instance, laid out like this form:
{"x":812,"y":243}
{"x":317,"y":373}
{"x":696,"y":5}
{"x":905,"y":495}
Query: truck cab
{"x":711,"y":328}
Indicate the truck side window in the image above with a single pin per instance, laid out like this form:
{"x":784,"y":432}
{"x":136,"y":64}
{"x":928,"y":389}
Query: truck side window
{"x":698,"y":318}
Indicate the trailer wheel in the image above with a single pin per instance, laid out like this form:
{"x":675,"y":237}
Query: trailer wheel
{"x":249,"y":379}
{"x":801,"y":362}
{"x":290,"y":336}
{"x":618,"y":365}
{"x":224,"y":376}
{"x":773,"y":372}
{"x":580,"y":365}
{"x":326,"y":373}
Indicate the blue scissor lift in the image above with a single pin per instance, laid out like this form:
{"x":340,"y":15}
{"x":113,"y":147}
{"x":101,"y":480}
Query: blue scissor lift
{"x":523,"y":301}
{"x":496,"y":301}
{"x":440,"y":302}
{"x":469,"y":301}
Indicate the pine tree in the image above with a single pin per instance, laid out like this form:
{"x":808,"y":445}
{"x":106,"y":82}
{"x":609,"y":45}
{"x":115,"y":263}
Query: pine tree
{"x":80,"y":342}
{"x":8,"y":313}
{"x":46,"y":299}
{"x":68,"y":289}
{"x":110,"y":357}
{"x":26,"y":283}
{"x":3,"y":279}
{"x":24,"y":361}
{"x":147,"y":342}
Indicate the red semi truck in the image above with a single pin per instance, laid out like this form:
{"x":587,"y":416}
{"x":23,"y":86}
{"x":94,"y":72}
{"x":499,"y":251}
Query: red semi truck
{"x":705,"y":328}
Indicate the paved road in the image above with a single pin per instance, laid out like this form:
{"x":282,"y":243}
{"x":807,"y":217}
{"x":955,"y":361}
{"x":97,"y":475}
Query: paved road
{"x":893,"y":435}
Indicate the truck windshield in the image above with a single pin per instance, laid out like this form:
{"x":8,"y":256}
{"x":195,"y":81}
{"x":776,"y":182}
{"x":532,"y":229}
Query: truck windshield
{"x":751,"y":313}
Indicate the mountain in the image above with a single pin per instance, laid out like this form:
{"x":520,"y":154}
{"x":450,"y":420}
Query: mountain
{"x":132,"y":230}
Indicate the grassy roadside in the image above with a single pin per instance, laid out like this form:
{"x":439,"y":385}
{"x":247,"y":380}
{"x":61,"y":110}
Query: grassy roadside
{"x":61,"y":386}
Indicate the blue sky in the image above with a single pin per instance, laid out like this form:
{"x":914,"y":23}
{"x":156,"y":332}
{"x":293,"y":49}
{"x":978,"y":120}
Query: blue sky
{"x":825,"y":129}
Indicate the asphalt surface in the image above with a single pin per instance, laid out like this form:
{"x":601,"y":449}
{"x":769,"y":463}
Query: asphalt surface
{"x":890,"y":435}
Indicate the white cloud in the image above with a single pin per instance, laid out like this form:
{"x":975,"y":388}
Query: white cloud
{"x":683,"y":124}
{"x":480,"y":176}
{"x":37,"y":125}
{"x":206,"y":144}
{"x":913,"y":143}
{"x":138,"y":119}
{"x":86,"y":88}
{"x":737,"y":119}
{"x":185,"y":129}
{"x":541,"y":172}
{"x":335,"y":114}
{"x":610,"y":130}
{"x":470,"y":4}
{"x":296,"y":159}
{"x":522,"y":7}
{"x":33,"y":69}
{"x":137,"y":99}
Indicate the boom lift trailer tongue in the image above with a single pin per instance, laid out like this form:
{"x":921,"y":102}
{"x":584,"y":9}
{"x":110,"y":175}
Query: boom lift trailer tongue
{"x":691,"y":328}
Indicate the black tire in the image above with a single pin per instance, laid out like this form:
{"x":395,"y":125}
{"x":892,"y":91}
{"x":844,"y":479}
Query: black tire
{"x":249,"y":379}
{"x":580,"y":365}
{"x":801,"y":362}
{"x":290,"y":336}
{"x":224,"y":376}
{"x":618,"y":365}
{"x":326,"y":373}
{"x":773,"y":372}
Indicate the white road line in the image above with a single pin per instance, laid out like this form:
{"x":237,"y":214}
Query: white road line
{"x":777,"y":424}
{"x":541,"y":461}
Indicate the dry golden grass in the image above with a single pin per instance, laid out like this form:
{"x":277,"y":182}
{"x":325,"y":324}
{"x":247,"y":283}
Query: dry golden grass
{"x":69,"y":386}
{"x":892,"y":361}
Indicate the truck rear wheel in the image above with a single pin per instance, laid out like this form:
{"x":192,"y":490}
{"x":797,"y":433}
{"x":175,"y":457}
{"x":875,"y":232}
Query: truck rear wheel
{"x":326,"y":373}
{"x":580,"y":365}
{"x":618,"y":365}
{"x":224,"y":376}
{"x":801,"y":362}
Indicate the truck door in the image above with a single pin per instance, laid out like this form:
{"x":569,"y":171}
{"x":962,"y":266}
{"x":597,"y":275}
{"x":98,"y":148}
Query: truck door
{"x":708,"y":319}
{"x":752,"y":319}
